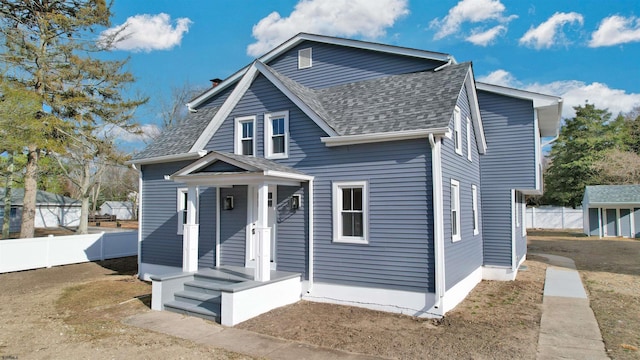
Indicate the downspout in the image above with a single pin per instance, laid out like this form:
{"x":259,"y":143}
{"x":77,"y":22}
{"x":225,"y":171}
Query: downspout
{"x":438,"y":223}
{"x":310,"y":214}
{"x":139,"y":170}
{"x":444,"y":66}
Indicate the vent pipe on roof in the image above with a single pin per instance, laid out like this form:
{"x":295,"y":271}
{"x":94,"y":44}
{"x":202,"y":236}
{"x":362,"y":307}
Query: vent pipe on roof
{"x":215,"y":82}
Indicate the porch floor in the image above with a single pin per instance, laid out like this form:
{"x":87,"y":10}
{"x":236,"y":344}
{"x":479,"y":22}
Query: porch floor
{"x":243,"y":277}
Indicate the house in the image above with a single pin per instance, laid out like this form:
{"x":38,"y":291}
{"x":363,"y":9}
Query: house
{"x":52,"y":210}
{"x":123,"y":210}
{"x":611,"y":210}
{"x":340,"y":171}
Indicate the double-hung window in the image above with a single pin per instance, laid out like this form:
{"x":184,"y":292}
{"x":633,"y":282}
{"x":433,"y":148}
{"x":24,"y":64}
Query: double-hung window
{"x":350,"y":212}
{"x":182,"y":208}
{"x":245,"y":143}
{"x":276,"y":135}
{"x":455,"y":210}
{"x":474,"y":209}
{"x":468,"y":139}
{"x":457,"y":131}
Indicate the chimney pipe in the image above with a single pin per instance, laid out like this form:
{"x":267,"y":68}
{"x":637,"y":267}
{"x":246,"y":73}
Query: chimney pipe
{"x":215,"y":82}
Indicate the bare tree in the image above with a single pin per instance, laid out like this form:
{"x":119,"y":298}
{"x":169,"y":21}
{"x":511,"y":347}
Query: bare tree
{"x":173,"y":110}
{"x":619,"y":167}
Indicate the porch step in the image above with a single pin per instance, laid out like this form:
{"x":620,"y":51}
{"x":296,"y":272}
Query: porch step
{"x":203,"y":287}
{"x":196,"y":298}
{"x":200,"y":311}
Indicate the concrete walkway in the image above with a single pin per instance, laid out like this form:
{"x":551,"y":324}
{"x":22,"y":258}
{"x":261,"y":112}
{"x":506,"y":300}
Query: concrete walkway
{"x":568,"y":328}
{"x":236,"y":340}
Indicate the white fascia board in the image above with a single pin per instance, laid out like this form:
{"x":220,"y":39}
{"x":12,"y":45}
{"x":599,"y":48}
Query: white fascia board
{"x":549,"y":107}
{"x":209,"y":159}
{"x":613,"y":205}
{"x":355,"y":44}
{"x":286,"y":175}
{"x":295,"y":99}
{"x":167,"y":158}
{"x":226,"y":108}
{"x":383,"y":137}
{"x":249,"y":178}
{"x":475,"y":112}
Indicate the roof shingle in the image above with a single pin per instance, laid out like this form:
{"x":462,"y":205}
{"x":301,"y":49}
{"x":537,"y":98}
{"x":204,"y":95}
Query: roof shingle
{"x":613,"y":194}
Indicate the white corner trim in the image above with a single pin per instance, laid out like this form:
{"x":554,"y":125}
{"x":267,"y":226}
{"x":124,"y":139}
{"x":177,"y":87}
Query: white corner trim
{"x":474,"y":107}
{"x":311,"y":229}
{"x":396,"y":301}
{"x":226,"y":108}
{"x":459,"y":291}
{"x":146,"y":270}
{"x":438,"y":222}
{"x":383,"y":137}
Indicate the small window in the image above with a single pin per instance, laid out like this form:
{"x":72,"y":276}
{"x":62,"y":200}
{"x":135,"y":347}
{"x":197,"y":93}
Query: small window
{"x":245,"y":135}
{"x":516,"y":203}
{"x":457,"y":131}
{"x":468,"y":139}
{"x":276,"y":135}
{"x":182,"y":209}
{"x":524,"y":216}
{"x":455,"y":210}
{"x":350,"y":212}
{"x":474,"y":209}
{"x":304,"y":58}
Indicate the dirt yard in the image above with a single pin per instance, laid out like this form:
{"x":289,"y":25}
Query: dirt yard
{"x":499,"y":320}
{"x":75,"y":312}
{"x":610,"y":270}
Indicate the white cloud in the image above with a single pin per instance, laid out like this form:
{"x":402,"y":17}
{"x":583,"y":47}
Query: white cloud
{"x":147,"y":32}
{"x":474,"y":11}
{"x":550,"y":32}
{"x":573,"y":92}
{"x":368,"y":18}
{"x":486,"y":37}
{"x":616,"y":30}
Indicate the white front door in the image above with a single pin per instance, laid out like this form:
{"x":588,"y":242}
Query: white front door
{"x":271,"y":222}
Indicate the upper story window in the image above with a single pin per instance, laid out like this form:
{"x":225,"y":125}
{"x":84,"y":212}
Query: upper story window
{"x":468,"y":139}
{"x":455,"y":210}
{"x":350,"y":212}
{"x":304,"y":58}
{"x":245,"y":136}
{"x":457,"y":131}
{"x":276,"y":134}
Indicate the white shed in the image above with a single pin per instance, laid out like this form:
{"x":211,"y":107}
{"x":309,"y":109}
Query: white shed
{"x":52,"y":210}
{"x":123,"y":210}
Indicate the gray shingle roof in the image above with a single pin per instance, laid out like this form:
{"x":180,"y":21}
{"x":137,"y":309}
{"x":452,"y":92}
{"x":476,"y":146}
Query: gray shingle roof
{"x":414,"y":101}
{"x":260,"y":163}
{"x":42,"y":198}
{"x":179,"y":138}
{"x":613,"y":194}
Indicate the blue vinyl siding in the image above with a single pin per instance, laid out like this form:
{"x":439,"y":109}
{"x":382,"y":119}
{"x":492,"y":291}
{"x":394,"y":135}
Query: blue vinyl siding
{"x":291,"y":239}
{"x":464,"y":256}
{"x":335,"y":65}
{"x":508,"y":164}
{"x":233,"y":223}
{"x":161,"y":244}
{"x":400,"y":250}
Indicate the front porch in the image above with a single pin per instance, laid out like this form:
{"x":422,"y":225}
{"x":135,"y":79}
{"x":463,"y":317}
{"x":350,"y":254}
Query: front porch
{"x":225,"y":294}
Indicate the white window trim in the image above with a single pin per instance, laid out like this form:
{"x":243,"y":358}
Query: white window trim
{"x":337,"y":210}
{"x":180,"y":209}
{"x":457,"y":131}
{"x":268,"y":133}
{"x":238,"y":133}
{"x":516,"y":204}
{"x":468,"y":139}
{"x":300,"y":66}
{"x":474,"y":205}
{"x":455,"y":186}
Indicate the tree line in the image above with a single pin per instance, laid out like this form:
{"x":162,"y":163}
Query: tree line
{"x":593,"y":148}
{"x":62,"y":103}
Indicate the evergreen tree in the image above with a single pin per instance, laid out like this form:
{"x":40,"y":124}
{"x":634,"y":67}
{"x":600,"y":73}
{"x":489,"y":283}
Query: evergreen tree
{"x":582,"y":142}
{"x":50,"y":49}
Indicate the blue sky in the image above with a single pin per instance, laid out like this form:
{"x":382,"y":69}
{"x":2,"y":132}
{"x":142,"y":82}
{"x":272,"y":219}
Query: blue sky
{"x":583,"y":50}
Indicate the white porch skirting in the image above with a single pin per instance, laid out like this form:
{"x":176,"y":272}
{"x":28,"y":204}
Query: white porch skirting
{"x":501,"y":273}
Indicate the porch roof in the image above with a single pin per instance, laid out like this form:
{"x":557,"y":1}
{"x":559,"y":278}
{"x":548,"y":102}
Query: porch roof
{"x":243,"y":170}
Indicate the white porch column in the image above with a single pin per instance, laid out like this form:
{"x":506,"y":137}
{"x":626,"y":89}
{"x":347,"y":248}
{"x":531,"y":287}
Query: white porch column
{"x":190,"y":233}
{"x":263,"y":236}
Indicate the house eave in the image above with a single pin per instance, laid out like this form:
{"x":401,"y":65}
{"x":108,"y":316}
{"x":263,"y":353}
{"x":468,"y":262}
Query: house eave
{"x":247,"y":178}
{"x":331,"y":141}
{"x":168,"y":158}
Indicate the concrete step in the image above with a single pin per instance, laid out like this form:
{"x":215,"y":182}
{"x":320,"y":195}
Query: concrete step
{"x":196,"y":298}
{"x":218,"y":279}
{"x":203,"y":287}
{"x":212,"y":314}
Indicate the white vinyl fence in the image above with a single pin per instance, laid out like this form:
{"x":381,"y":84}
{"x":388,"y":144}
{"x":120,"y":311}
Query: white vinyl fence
{"x":26,"y":254}
{"x":552,"y":217}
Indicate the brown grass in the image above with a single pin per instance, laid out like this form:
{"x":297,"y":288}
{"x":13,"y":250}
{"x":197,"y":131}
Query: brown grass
{"x":610,"y":269}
